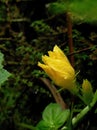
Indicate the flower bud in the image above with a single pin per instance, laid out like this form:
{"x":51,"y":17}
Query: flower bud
{"x":87,"y":91}
{"x":86,"y":86}
{"x":59,"y":69}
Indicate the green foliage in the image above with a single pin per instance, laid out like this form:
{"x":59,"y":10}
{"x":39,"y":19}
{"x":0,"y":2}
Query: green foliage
{"x":81,"y":11}
{"x":27,"y":126}
{"x":41,"y":27}
{"x":3,"y":14}
{"x":84,"y":10}
{"x":57,"y":8}
{"x":53,"y":117}
{"x":4,"y":74}
{"x":8,"y":98}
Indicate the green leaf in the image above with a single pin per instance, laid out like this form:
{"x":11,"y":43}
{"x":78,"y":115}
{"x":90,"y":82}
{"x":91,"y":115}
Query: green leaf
{"x":80,"y":10}
{"x":56,"y":8}
{"x":1,"y":60}
{"x":94,"y":98}
{"x":54,"y":116}
{"x":4,"y":74}
{"x":84,"y":10}
{"x":42,"y":125}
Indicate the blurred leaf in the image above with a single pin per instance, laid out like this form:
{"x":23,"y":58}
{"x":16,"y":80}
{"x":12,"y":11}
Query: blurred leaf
{"x":57,"y":8}
{"x":41,"y":27}
{"x":84,"y":10}
{"x":4,"y":74}
{"x":30,"y":127}
{"x":42,"y":125}
{"x":1,"y":60}
{"x":81,"y":10}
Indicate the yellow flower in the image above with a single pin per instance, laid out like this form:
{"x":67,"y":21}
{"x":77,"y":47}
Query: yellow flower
{"x":58,"y":68}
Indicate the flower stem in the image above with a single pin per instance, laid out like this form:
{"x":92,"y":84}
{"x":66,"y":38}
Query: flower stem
{"x":77,"y":118}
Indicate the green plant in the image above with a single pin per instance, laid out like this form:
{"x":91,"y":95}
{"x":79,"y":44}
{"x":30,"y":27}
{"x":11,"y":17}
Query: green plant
{"x":57,"y":115}
{"x":26,"y":34}
{"x":4,"y":75}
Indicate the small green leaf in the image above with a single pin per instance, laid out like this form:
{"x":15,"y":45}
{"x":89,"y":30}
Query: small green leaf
{"x":4,"y":74}
{"x":54,"y":115}
{"x":42,"y":125}
{"x":56,"y":8}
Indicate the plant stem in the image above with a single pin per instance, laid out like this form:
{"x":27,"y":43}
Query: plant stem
{"x":70,"y":39}
{"x":58,"y":98}
{"x":27,"y":126}
{"x":76,"y":119}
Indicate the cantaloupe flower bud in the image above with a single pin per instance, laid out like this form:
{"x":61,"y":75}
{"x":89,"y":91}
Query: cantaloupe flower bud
{"x":87,"y":91}
{"x":86,"y":86}
{"x":59,"y":69}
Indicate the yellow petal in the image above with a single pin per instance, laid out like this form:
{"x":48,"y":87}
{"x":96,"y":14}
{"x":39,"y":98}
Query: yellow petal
{"x":45,"y":59}
{"x":52,"y":54}
{"x":60,"y":53}
{"x":59,"y":65}
{"x":47,"y":69}
{"x":58,"y":50}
